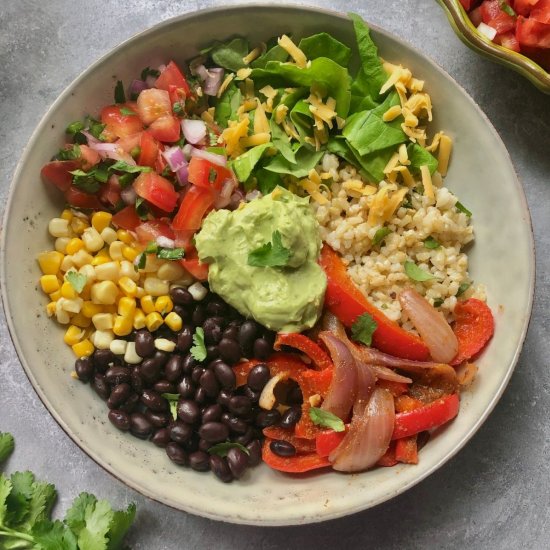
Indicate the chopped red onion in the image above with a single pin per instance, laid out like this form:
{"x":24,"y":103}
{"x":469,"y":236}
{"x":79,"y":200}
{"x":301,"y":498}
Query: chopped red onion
{"x":254,"y":194}
{"x":128,"y":195}
{"x":136,"y":87}
{"x":91,"y":139}
{"x":213,"y":81}
{"x":182,"y":174}
{"x":175,"y":158}
{"x":200,"y":71}
{"x":112,"y":151}
{"x":220,"y":160}
{"x":225,"y":194}
{"x":193,"y":130}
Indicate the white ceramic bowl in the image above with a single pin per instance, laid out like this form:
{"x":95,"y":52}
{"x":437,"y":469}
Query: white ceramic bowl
{"x":481,"y":174}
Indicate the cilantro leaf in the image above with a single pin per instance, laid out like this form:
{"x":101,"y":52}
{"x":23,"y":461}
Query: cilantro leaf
{"x":94,"y":127}
{"x":75,"y":514}
{"x":461,"y":208}
{"x":431,"y":243}
{"x":221,"y":449}
{"x":463,"y":288}
{"x":54,"y":536}
{"x":6,"y":446}
{"x":326,"y":419}
{"x":438,"y":302}
{"x":172,"y":399}
{"x":363,"y":328}
{"x":85,"y":180}
{"x":122,"y":166}
{"x":122,"y":520}
{"x":77,"y":280}
{"x":416,"y":273}
{"x":380,"y":235}
{"x":71,"y":153}
{"x":141,"y":208}
{"x":20,"y":496}
{"x":506,"y":8}
{"x":127,"y":112}
{"x":272,"y":254}
{"x":171,"y":253}
{"x":141,"y":261}
{"x":149,"y":72}
{"x":75,"y":127}
{"x":198,"y":351}
{"x":97,"y":520}
{"x":120,"y":96}
{"x":151,"y":248}
{"x":5,"y":489}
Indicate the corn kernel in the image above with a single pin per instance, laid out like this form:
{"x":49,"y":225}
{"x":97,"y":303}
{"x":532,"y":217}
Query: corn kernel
{"x":105,"y":292}
{"x":74,"y":245}
{"x":128,"y":286}
{"x":147,"y":304}
{"x":78,"y":225}
{"x":67,"y":215}
{"x":108,"y":271}
{"x":67,"y":264}
{"x":140,"y":292}
{"x":89,"y":272}
{"x":81,"y":320}
{"x":115,"y":250}
{"x":73,"y":335}
{"x":86,"y":293}
{"x":173,"y":321}
{"x":63,"y":318}
{"x":103,"y":321}
{"x":67,"y":291}
{"x":124,"y":236}
{"x":108,"y":235}
{"x":81,"y":258}
{"x":58,"y":227}
{"x":71,"y":305}
{"x":164,"y":305}
{"x":89,"y":309}
{"x":123,"y":325}
{"x":126,"y":306}
{"x":152,"y":264}
{"x":156,"y":287}
{"x":50,"y":309}
{"x":61,"y":244}
{"x":49,"y":283}
{"x":130,"y":355}
{"x":163,"y":344}
{"x":127,"y":269}
{"x":101,"y":220}
{"x":83,"y":349}
{"x":102,"y":338}
{"x":54,"y":296}
{"x":170,"y":271}
{"x":130,"y":253}
{"x":118,"y":347}
{"x":99,"y":260}
{"x":50,"y":262}
{"x":139,"y":319}
{"x":153,"y":321}
{"x":92,"y":239}
{"x":112,"y":308}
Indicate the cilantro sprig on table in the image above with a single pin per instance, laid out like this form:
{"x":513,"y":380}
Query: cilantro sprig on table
{"x":25,"y":515}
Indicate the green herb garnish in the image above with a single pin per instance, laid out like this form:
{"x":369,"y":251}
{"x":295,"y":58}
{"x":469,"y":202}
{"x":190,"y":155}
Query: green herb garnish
{"x":438,"y":302}
{"x":76,"y":280}
{"x":120,"y":96}
{"x":506,"y":8}
{"x":463,"y":288}
{"x":431,"y":243}
{"x":363,"y":328}
{"x":71,"y":153}
{"x":272,"y":254}
{"x":127,"y":112}
{"x":380,"y":235}
{"x":171,"y":253}
{"x":326,"y":419}
{"x":6,"y":446}
{"x":149,"y":72}
{"x":75,"y":127}
{"x":86,"y":181}
{"x":416,"y":273}
{"x":221,"y":449}
{"x":122,"y":166}
{"x":461,"y":208}
{"x":198,"y":350}
{"x":172,"y":399}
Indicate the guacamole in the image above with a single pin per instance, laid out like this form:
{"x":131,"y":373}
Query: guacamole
{"x":285,"y":298}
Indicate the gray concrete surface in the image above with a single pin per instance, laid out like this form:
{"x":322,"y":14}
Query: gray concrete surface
{"x":494,"y":493}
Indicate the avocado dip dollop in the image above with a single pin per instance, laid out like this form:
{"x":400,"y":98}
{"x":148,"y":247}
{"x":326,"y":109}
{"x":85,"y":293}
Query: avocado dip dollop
{"x":287,"y":298}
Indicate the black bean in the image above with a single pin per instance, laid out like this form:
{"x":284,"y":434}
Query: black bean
{"x":237,"y":461}
{"x":269,"y":336}
{"x":176,"y":454}
{"x":244,"y":438}
{"x":268,"y":418}
{"x":84,"y":368}
{"x":253,"y":395}
{"x":214,"y":432}
{"x":235,"y":424}
{"x":261,"y":349}
{"x":212,"y":352}
{"x":294,"y":395}
{"x":189,"y":363}
{"x":140,"y":425}
{"x":119,"y":419}
{"x":136,"y":381}
{"x":247,"y":334}
{"x":255,"y":452}
{"x":158,"y":419}
{"x":161,"y":357}
{"x":182,"y":311}
{"x":192,"y":444}
{"x":220,"y":468}
{"x":161,"y":437}
{"x":216,"y":307}
{"x":240,"y":405}
{"x":150,"y":370}
{"x":230,"y":350}
{"x":173,"y":368}
{"x":102,"y":358}
{"x":180,"y":432}
{"x":290,"y":417}
{"x":204,"y":445}
{"x":163,"y":386}
{"x":231,"y":332}
{"x":181,"y":296}
{"x":212,"y":331}
{"x":196,"y":374}
{"x":201,"y":396}
{"x":119,"y":394}
{"x":258,"y":377}
{"x":282,"y":448}
{"x":117,"y":375}
{"x":199,"y":315}
{"x":225,"y":375}
{"x":223,"y":397}
{"x":212,"y":413}
{"x":199,"y":461}
{"x":100,"y":386}
{"x":185,"y":387}
{"x":154,"y":401}
{"x":130,"y":404}
{"x":210,"y":384}
{"x":188,"y":411}
{"x":145,"y":343}
{"x":185,"y":339}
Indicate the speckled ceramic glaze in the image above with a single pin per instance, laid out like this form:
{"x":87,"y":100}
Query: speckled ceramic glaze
{"x":502,"y":257}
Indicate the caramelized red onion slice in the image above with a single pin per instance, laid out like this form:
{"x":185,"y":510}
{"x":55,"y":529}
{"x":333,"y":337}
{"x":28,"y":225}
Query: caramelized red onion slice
{"x":366,"y":380}
{"x":368,"y":437}
{"x":431,"y":325}
{"x":383,"y":373}
{"x":343,"y":388}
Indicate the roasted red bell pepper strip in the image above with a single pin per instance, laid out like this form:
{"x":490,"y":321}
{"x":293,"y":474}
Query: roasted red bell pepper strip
{"x":327,"y":441}
{"x":347,"y":302}
{"x":426,"y":418}
{"x":302,"y":445}
{"x":406,"y":450}
{"x":473,"y":328}
{"x":388,"y":460}
{"x":306,"y":345}
{"x":296,"y":464}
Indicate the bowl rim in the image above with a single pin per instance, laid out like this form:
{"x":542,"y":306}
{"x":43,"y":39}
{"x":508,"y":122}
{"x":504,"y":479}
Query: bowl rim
{"x":105,"y":465}
{"x":467,"y":32}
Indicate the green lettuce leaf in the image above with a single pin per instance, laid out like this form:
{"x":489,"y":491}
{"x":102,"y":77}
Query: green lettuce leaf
{"x":419,"y":156}
{"x":229,"y":55}
{"x":306,"y":159}
{"x":245,"y":163}
{"x":226,"y":106}
{"x":325,"y":45}
{"x":281,"y":141}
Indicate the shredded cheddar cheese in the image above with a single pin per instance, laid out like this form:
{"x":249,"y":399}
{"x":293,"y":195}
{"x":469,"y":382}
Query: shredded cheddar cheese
{"x":296,"y":53}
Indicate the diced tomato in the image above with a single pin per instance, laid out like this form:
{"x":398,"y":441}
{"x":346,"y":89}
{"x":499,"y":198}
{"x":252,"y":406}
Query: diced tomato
{"x":119,"y":125}
{"x":541,"y":12}
{"x":149,"y":150}
{"x":129,"y":142}
{"x":532,"y":33}
{"x":493,"y":15}
{"x":160,"y":163}
{"x":172,"y":76}
{"x":193,"y":265}
{"x":109,"y":193}
{"x":166,"y":128}
{"x":89,"y":157}
{"x":195,"y":204}
{"x":126,"y":218}
{"x":58,"y":172}
{"x":206,"y":174}
{"x":81,"y":199}
{"x":157,"y":190}
{"x":524,"y":7}
{"x":489,"y":10}
{"x":508,"y":40}
{"x":151,"y":230}
{"x":153,"y":104}
{"x":475,"y":16}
